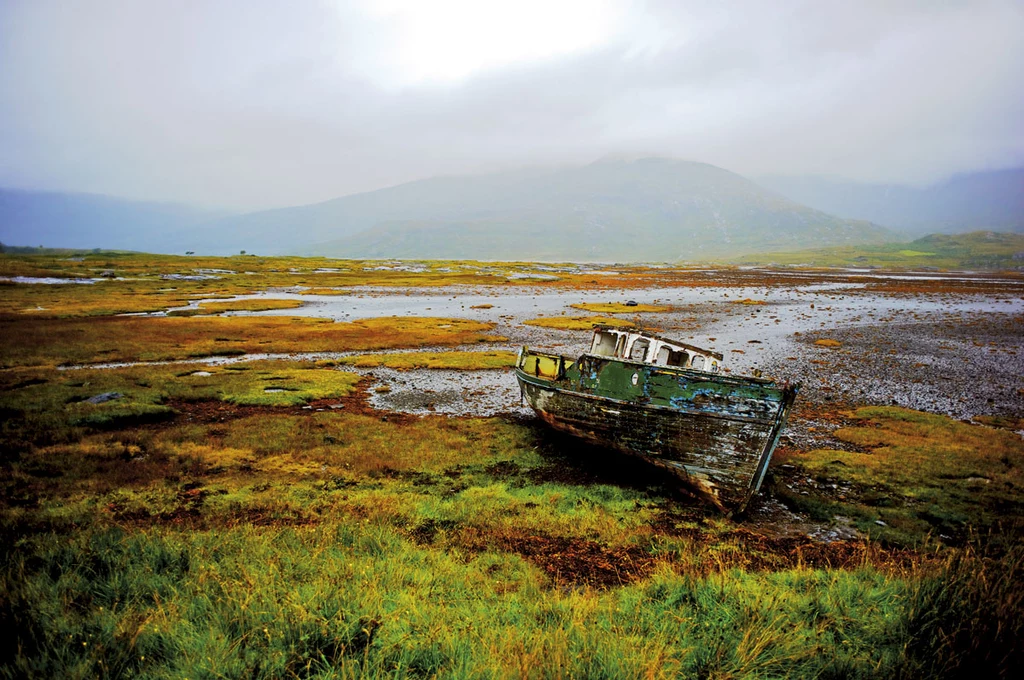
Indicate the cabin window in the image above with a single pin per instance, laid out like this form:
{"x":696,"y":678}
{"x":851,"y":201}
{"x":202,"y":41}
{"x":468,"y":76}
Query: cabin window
{"x":639,"y":350}
{"x":697,"y":362}
{"x":604,"y":344}
{"x":671,"y":357}
{"x":678,"y":358}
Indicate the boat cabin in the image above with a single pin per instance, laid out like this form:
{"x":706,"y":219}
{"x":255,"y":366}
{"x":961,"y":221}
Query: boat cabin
{"x":631,"y":344}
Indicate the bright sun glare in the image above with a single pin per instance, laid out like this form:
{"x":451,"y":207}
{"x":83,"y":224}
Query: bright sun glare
{"x":450,"y":40}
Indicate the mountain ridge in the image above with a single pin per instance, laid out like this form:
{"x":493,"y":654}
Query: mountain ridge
{"x":987,"y":200}
{"x":83,"y":220}
{"x":616,"y":208}
{"x":613,"y":208}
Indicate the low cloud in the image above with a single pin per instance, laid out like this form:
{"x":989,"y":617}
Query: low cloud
{"x":253,"y":105}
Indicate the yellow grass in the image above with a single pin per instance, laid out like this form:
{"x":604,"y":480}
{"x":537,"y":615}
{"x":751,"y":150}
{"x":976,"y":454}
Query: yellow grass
{"x":105,"y":339}
{"x":252,"y":305}
{"x":445,"y":360}
{"x":575,"y":323}
{"x":620,"y":308}
{"x":325,"y":291}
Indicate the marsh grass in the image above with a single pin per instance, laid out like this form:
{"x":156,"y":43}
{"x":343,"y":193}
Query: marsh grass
{"x":325,"y":544}
{"x":410,"y":565}
{"x":244,"y":535}
{"x":575,"y":323}
{"x":975,"y":250}
{"x":620,"y":308}
{"x":47,"y":406}
{"x":119,"y":339}
{"x":920,"y":473}
{"x":319,"y":290}
{"x":250,"y":305}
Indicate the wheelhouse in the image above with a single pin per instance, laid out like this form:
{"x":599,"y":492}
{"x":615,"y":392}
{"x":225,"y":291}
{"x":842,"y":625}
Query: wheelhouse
{"x":631,"y":344}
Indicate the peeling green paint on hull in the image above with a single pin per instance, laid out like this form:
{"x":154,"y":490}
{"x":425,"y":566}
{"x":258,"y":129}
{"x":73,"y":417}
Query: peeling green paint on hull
{"x":715,"y":432}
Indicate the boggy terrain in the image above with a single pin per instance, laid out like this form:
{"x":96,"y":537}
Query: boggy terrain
{"x":332,"y":475}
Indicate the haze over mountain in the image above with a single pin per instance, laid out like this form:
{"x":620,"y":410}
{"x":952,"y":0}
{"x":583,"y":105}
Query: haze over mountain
{"x":256,"y":104}
{"x":68,"y":220}
{"x":991,"y":200}
{"x":614,"y":209}
{"x":618,"y":208}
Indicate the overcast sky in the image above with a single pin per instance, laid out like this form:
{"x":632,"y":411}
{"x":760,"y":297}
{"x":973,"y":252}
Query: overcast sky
{"x":251,"y":104}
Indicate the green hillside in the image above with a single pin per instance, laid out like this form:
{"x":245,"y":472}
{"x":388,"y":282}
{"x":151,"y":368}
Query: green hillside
{"x":975,"y":250}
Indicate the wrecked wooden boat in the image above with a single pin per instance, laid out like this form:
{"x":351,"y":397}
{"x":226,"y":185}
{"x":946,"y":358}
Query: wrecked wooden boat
{"x":667,"y":402}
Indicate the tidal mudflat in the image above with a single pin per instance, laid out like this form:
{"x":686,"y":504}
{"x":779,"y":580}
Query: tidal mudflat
{"x":282,"y":467}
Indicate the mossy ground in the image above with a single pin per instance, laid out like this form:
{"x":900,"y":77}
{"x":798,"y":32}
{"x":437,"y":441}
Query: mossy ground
{"x":236,"y":525}
{"x":914,"y":475}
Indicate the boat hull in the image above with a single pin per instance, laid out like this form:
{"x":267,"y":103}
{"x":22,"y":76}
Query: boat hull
{"x":716,"y":435}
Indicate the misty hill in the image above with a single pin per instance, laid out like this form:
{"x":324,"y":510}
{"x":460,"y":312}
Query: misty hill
{"x":614,"y":209}
{"x":646,"y":209}
{"x":65,"y":220}
{"x":982,"y":200}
